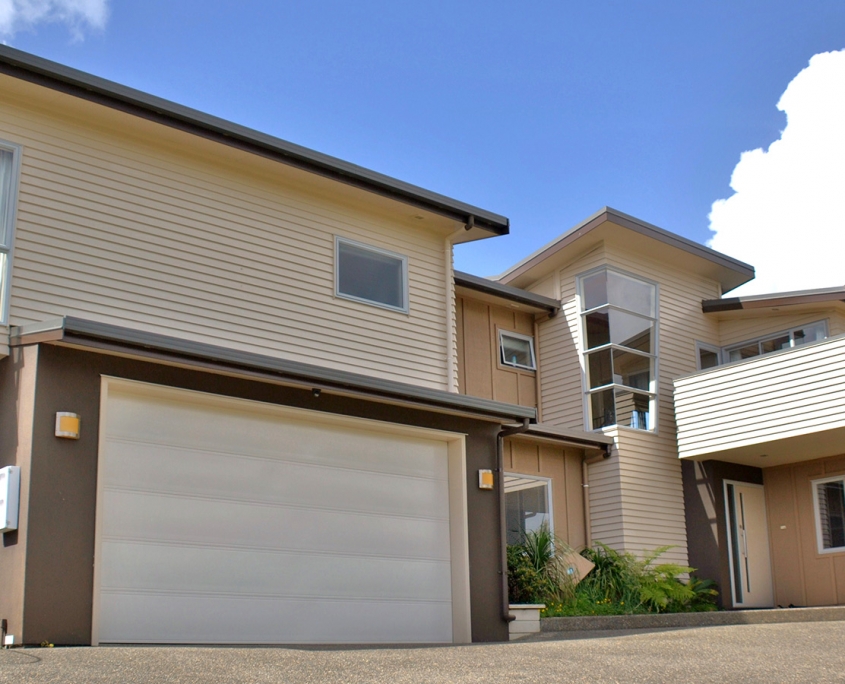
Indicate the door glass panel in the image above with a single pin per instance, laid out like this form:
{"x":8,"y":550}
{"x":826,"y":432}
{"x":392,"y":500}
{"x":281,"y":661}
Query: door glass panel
{"x":735,"y":544}
{"x":831,"y":496}
{"x":602,"y":409}
{"x":632,"y":370}
{"x":599,"y":368}
{"x":632,"y":409}
{"x":630,"y":294}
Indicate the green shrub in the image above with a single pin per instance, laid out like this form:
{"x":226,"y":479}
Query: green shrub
{"x":536,"y":573}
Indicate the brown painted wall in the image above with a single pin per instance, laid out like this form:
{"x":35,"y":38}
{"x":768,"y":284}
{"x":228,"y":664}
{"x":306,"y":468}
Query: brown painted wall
{"x":60,"y":534}
{"x":480,"y":373}
{"x":704,"y":503}
{"x":802,"y":575}
{"x":563,"y":466}
{"x":17,"y":395}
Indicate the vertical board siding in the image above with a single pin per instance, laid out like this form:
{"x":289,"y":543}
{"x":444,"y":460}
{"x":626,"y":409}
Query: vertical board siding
{"x":210,"y":244}
{"x":802,"y":575}
{"x":479,"y":372}
{"x":636,"y":498}
{"x":784,"y":394}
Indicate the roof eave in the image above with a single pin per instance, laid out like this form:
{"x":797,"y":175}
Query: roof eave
{"x":507,"y":292}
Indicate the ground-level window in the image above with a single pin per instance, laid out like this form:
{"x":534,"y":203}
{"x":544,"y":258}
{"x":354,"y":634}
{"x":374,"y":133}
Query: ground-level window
{"x":619,"y":325}
{"x":517,"y":350}
{"x":829,"y":500}
{"x":528,"y":505}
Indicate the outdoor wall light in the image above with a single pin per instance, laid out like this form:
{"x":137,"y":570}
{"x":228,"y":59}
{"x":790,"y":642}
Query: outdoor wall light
{"x":67,"y":425}
{"x":485,"y":479}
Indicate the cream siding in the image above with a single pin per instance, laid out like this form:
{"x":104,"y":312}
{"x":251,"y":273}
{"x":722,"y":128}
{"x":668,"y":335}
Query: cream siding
{"x":124,"y":221}
{"x":636,"y":497}
{"x":754,"y":326}
{"x":773,"y":397}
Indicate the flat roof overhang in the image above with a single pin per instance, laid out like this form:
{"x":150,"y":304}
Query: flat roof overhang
{"x":803,"y":298}
{"x":55,"y":76}
{"x":806,"y":447}
{"x":544,"y":433}
{"x":112,"y":339}
{"x":520,"y":299}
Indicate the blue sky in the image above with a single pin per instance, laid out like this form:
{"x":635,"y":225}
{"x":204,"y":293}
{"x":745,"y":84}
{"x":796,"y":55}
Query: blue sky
{"x":544,"y":112}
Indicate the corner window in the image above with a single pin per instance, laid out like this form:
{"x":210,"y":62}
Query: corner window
{"x":517,"y":350}
{"x":708,"y":356}
{"x":528,"y":505}
{"x":371,"y":275}
{"x":9,"y":162}
{"x":805,"y":334}
{"x":829,"y":501}
{"x":619,"y":323}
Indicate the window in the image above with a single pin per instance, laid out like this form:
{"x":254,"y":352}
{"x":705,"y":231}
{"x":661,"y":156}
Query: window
{"x":371,"y":275}
{"x":527,"y":504}
{"x":619,"y":325}
{"x":829,"y":502}
{"x":517,"y":350}
{"x":9,"y":162}
{"x":805,"y":334}
{"x":708,"y":356}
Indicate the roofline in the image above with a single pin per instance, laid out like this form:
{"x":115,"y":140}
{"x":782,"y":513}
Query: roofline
{"x":28,"y":67}
{"x":81,"y":332}
{"x":578,"y":438}
{"x":796,"y":297}
{"x":491,"y":287}
{"x":632,"y":223}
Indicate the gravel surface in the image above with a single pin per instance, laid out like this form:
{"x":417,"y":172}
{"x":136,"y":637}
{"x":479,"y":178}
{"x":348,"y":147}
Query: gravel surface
{"x":803,"y":652}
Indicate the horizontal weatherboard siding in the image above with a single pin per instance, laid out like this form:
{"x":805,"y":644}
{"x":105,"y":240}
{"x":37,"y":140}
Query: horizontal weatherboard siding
{"x":127,"y":222}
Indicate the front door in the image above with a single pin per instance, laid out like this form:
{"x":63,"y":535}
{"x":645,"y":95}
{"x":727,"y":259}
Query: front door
{"x":748,"y":545}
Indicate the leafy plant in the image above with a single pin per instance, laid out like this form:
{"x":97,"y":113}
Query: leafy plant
{"x":536,"y":571}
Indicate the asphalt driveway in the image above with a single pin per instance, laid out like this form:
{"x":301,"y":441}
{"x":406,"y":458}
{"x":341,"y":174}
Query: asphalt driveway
{"x":798,"y":652}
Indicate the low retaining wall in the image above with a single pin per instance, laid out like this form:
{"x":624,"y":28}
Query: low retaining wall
{"x":676,"y":620}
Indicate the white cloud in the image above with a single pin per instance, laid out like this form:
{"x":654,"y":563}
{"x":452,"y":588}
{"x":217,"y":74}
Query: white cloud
{"x":16,"y":15}
{"x":787,"y":216}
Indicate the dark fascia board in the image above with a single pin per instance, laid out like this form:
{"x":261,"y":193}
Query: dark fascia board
{"x":552,"y":306}
{"x":77,"y":331}
{"x":638,"y":226}
{"x":56,"y":76}
{"x":764,"y":301}
{"x":589,"y":440}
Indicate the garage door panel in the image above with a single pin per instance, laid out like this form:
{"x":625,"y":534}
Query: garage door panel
{"x":163,"y":468}
{"x":189,"y":570}
{"x":207,"y":427}
{"x":144,"y":517}
{"x":262,"y":621}
{"x":228,"y":521}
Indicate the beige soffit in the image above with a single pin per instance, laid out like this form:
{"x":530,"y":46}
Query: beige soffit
{"x":113,"y":339}
{"x":18,"y":64}
{"x":628,"y":232}
{"x":488,"y":290}
{"x":797,"y":300}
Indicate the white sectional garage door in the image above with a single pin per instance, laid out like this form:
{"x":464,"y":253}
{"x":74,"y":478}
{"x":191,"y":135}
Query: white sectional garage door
{"x":227,"y":521}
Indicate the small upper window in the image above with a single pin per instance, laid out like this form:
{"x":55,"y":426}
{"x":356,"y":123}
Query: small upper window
{"x":371,"y":275}
{"x":708,"y":356}
{"x":517,"y":350}
{"x":813,"y":332}
{"x":829,"y":499}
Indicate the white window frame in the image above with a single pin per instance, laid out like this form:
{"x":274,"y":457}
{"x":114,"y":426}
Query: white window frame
{"x":726,"y":351}
{"x":703,"y":346}
{"x":549,"y":498}
{"x":817,"y":513}
{"x":517,"y":336}
{"x":376,"y":250}
{"x":7,"y":248}
{"x":652,"y":392}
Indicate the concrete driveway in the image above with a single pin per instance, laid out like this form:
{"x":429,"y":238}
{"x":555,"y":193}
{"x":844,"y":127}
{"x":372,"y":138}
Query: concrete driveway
{"x":802,"y":652}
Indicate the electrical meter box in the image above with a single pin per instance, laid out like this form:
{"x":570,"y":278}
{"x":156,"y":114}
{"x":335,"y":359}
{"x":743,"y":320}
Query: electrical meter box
{"x":10,"y":490}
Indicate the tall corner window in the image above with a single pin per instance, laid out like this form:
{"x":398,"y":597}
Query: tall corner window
{"x":619,"y":323}
{"x":517,"y":350}
{"x":829,"y":501}
{"x":9,"y":160}
{"x":528,"y":505}
{"x":371,"y":275}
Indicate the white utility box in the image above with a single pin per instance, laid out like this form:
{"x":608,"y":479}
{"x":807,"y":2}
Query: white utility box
{"x":10,"y":491}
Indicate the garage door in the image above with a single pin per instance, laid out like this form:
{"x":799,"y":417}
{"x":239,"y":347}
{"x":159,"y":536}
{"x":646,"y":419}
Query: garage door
{"x":227,"y":521}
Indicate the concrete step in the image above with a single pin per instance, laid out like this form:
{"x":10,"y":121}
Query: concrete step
{"x":670,"y":620}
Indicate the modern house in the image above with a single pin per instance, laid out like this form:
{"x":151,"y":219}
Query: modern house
{"x":249,"y":400}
